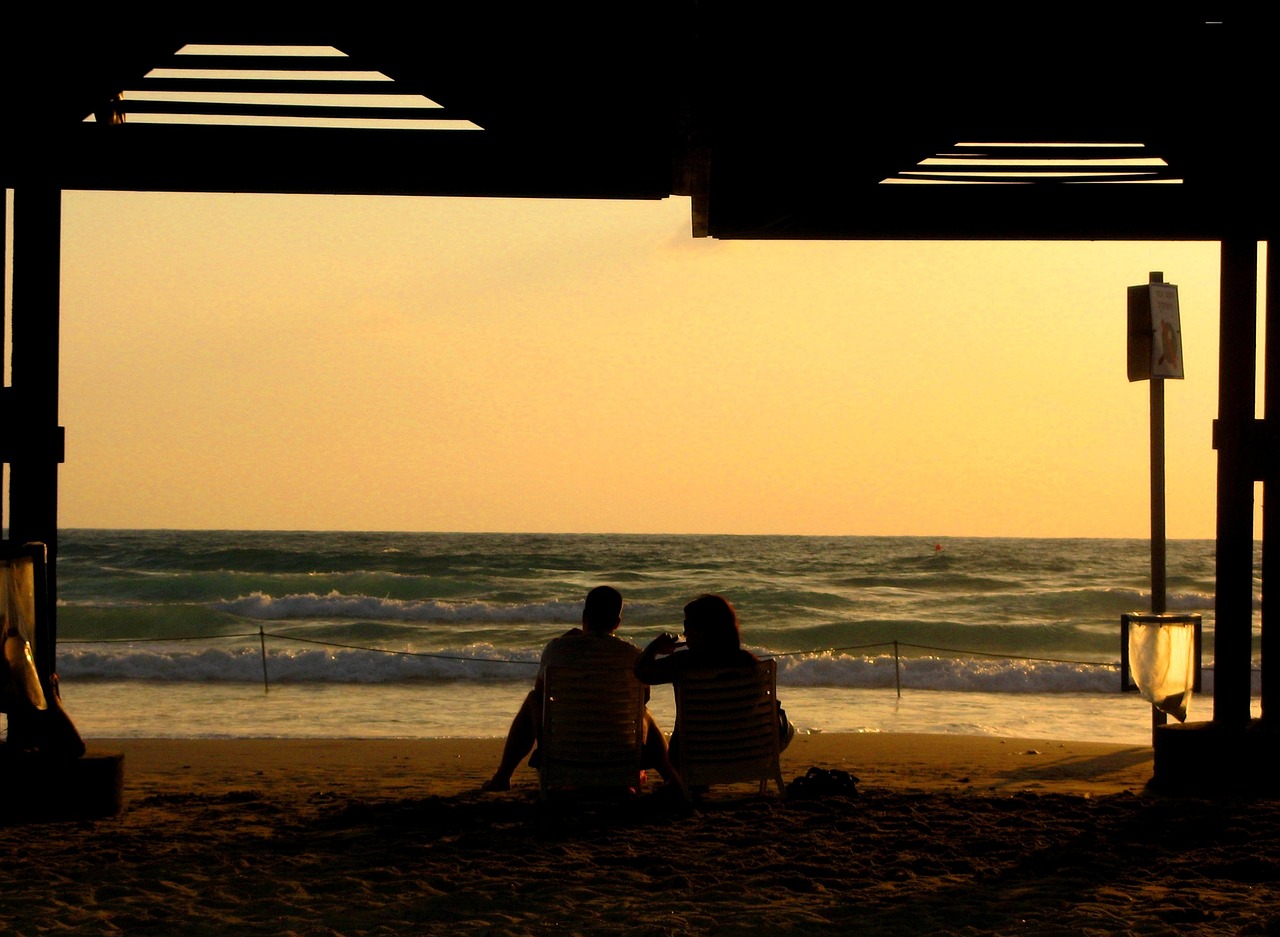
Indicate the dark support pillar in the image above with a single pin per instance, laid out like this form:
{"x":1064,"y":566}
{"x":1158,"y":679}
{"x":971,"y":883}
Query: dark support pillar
{"x":1271,"y":489}
{"x":4,"y":272}
{"x":34,"y":447}
{"x":1233,"y":625}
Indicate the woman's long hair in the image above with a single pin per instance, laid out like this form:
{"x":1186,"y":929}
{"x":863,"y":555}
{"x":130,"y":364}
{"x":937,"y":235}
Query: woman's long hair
{"x":714,"y":618}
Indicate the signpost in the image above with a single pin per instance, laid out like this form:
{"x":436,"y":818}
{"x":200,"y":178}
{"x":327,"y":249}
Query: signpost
{"x":1155,"y":355}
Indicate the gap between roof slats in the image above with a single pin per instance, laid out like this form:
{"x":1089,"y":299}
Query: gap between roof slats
{"x":268,"y":86}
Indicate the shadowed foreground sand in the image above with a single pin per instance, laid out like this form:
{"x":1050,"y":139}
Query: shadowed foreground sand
{"x":947,"y":835}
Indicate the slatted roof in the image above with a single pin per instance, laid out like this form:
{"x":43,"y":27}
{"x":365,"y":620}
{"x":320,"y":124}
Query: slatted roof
{"x":803,"y":123}
{"x":314,"y":86}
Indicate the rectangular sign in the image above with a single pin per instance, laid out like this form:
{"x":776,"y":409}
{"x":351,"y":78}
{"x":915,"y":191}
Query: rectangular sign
{"x":1155,"y":332}
{"x":1166,"y":331}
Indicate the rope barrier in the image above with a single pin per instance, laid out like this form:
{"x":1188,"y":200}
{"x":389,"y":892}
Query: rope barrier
{"x":384,"y":650}
{"x":1047,"y":660}
{"x":262,"y":634}
{"x":947,"y":650}
{"x":847,"y":647}
{"x":189,"y":637}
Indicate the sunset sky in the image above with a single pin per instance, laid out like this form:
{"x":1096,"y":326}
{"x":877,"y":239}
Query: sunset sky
{"x":499,"y":365}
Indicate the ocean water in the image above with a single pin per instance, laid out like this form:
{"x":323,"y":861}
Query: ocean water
{"x":306,"y":634}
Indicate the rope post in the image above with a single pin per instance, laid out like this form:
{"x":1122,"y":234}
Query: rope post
{"x":262,"y":641}
{"x":897,"y":669}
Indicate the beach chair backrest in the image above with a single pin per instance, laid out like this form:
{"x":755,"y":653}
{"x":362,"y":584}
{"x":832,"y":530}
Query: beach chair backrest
{"x":592,"y":728}
{"x":727,"y":724}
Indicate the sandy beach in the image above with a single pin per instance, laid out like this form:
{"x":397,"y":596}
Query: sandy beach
{"x":947,"y":834}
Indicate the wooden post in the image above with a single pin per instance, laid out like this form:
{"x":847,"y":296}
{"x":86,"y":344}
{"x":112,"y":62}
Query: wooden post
{"x":897,"y":668}
{"x":262,"y":642}
{"x":34,"y":446}
{"x":1233,"y":624}
{"x":4,"y":313}
{"x":1270,"y":479}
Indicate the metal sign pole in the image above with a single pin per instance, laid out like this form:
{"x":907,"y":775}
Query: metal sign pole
{"x":1155,"y":353}
{"x":1158,"y":551}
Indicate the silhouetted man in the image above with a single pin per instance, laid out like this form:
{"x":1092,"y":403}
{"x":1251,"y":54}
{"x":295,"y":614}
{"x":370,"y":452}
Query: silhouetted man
{"x":593,"y":646}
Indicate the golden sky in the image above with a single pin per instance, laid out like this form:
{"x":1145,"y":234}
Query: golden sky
{"x":318,"y":362}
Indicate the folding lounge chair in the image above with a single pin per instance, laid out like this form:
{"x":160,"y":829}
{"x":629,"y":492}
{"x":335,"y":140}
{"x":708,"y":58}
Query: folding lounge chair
{"x":727,"y":726}
{"x":592,"y":729}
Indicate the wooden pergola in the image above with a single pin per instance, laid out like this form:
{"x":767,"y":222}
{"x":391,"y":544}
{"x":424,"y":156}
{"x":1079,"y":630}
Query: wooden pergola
{"x":805,"y":123}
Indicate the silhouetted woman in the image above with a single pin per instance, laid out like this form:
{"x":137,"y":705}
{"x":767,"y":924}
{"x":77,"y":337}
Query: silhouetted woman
{"x":712,"y":639}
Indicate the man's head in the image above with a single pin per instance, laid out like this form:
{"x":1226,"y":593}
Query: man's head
{"x":603,"y":611}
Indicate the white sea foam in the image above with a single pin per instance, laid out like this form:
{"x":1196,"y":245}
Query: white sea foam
{"x":334,"y":604}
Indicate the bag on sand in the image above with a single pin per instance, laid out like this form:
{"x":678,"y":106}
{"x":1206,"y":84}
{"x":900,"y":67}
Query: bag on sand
{"x":820,"y":782}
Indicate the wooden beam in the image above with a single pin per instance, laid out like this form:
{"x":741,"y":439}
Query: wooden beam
{"x":850,"y":210}
{"x":1270,"y":650}
{"x":161,"y":157}
{"x":4,"y":315}
{"x":32,"y":405}
{"x":1233,"y":615}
